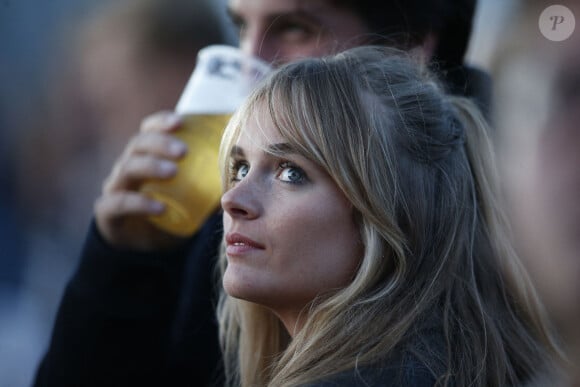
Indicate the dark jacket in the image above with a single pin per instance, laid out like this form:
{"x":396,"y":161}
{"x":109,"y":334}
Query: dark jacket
{"x":129,"y":319}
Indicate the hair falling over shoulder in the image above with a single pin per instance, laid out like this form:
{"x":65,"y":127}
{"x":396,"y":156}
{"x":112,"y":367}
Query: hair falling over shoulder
{"x":418,"y":167}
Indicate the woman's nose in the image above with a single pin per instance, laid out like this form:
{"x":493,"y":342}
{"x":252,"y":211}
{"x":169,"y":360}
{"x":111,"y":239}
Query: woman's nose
{"x":241,"y":201}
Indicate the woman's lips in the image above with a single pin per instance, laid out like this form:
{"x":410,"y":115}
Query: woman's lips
{"x":238,"y":244}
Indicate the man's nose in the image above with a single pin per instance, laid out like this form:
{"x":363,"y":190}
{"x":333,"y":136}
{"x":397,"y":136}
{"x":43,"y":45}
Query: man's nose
{"x":258,"y":43}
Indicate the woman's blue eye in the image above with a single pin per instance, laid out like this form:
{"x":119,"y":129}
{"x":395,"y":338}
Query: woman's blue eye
{"x":240,"y":171}
{"x":291,"y":174}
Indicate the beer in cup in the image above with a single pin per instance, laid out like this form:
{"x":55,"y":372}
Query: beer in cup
{"x":222,"y":78}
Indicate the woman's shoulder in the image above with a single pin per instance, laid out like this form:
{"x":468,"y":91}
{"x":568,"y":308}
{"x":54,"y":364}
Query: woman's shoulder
{"x":406,"y":371}
{"x":388,"y":376}
{"x":418,"y":365}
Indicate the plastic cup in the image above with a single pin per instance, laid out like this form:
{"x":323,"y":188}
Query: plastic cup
{"x":222,"y":79}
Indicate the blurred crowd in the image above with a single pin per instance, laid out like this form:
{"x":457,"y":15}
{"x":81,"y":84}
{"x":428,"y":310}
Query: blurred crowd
{"x":78,"y":76}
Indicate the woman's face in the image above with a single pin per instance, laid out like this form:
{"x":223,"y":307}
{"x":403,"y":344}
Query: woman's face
{"x":289,"y":230}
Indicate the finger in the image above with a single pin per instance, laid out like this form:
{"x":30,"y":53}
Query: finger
{"x":129,"y":174}
{"x":164,"y":121}
{"x":111,"y":207}
{"x":158,"y":144}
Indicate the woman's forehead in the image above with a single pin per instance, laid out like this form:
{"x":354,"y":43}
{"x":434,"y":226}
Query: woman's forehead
{"x":257,"y":126}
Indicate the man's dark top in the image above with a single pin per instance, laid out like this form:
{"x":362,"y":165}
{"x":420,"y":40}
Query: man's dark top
{"x":130,"y":319}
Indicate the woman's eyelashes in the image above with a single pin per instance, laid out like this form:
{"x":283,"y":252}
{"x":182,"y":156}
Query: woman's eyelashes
{"x":285,"y":171}
{"x":290,"y":173}
{"x":238,"y":170}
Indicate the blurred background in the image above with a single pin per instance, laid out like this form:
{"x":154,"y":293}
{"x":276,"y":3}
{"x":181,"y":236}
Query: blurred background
{"x":77,"y":77}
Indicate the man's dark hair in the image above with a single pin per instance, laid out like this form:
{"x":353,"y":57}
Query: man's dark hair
{"x":413,"y":20}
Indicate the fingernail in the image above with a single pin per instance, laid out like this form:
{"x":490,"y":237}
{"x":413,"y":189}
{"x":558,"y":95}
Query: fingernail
{"x":167,"y":168}
{"x":177,"y":148}
{"x":156,"y":207}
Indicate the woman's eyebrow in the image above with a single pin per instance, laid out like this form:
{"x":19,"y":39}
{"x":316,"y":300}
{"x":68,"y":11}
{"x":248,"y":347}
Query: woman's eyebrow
{"x":278,"y":149}
{"x":281,"y":148}
{"x":237,"y":151}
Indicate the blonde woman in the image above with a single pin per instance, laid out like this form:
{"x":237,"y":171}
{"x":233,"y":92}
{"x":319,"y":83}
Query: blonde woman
{"x":363,"y":244}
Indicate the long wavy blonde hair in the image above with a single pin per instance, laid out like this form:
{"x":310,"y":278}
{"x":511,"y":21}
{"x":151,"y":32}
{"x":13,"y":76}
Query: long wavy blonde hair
{"x":419,"y":169}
